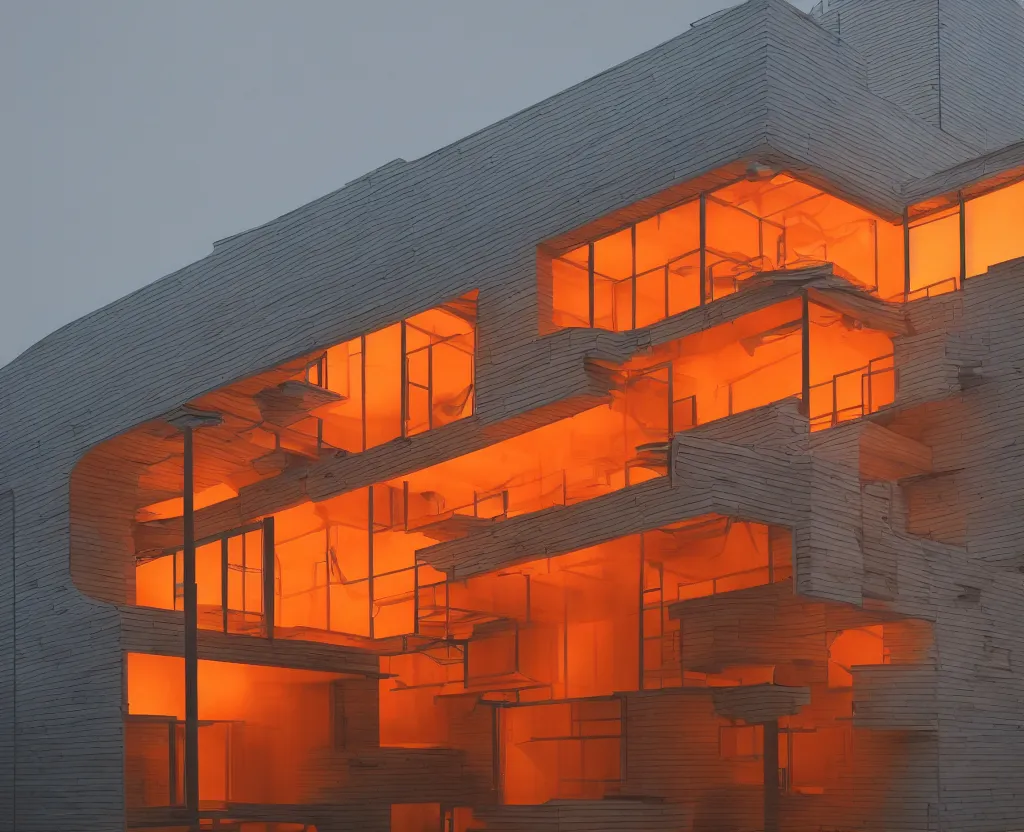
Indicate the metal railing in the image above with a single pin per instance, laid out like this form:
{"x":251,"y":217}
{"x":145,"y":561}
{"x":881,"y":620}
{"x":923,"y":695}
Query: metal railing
{"x":940,"y":287}
{"x":875,"y":386}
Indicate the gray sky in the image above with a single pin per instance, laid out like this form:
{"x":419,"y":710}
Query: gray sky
{"x":137,"y":132}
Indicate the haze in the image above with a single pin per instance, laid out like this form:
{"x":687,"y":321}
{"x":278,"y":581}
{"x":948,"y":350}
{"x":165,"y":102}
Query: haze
{"x":137,"y":133}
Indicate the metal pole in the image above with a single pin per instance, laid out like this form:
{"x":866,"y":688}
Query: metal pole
{"x":269,"y":577}
{"x":703,"y":248}
{"x":963,"y":239}
{"x":805,"y":355}
{"x":906,"y":254}
{"x":590,"y":281}
{"x":191,"y":643}
{"x":771,"y":776}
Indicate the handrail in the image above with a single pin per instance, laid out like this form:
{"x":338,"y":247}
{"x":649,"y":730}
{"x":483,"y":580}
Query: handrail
{"x":714,"y":582}
{"x":915,"y":294}
{"x":867,"y":403}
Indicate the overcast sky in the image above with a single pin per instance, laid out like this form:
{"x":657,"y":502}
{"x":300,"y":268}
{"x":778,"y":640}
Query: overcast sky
{"x":136,"y":132}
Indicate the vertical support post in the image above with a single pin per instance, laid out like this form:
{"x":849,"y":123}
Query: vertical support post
{"x":404,"y":381}
{"x":643,"y":618}
{"x":172,"y":761}
{"x":874,"y":237}
{"x":906,"y":253}
{"x":362,"y":387}
{"x":671,"y":403}
{"x":590,"y":280}
{"x":632,"y":240}
{"x":224,"y":582}
{"x":805,"y":354}
{"x":191,"y":639}
{"x":963,"y":239}
{"x":327,"y":567}
{"x":369,"y":556}
{"x":771,"y":776}
{"x":703,"y":248}
{"x":430,"y":383}
{"x":496,"y":750}
{"x":269,"y":578}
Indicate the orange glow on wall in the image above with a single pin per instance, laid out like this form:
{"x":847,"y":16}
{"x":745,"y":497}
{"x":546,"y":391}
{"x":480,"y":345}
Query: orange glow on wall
{"x":176,"y":506}
{"x":569,"y":750}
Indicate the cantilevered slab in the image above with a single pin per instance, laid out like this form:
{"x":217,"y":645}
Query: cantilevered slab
{"x":162,"y":632}
{"x":759,"y":703}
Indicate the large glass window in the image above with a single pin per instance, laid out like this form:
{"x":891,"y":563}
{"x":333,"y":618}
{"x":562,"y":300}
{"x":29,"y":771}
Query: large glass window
{"x":408,"y":378}
{"x":260,"y":731}
{"x":651,"y":270}
{"x":229,"y":581}
{"x":990,"y":230}
{"x":994,"y":228}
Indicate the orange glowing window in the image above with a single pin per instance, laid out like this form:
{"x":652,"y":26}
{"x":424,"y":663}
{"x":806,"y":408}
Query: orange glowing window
{"x":740,"y":742}
{"x":747,"y":363}
{"x":229,"y":581}
{"x":848,"y":648}
{"x":259,"y":729}
{"x":634,"y":277}
{"x":338,"y":573}
{"x":852,"y":372}
{"x":711,"y":557}
{"x":405,"y":379}
{"x":651,"y":270}
{"x":934,"y":254}
{"x":994,"y":228}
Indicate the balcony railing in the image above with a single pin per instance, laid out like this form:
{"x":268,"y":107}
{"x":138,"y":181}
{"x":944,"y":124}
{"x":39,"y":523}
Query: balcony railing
{"x":155,"y":762}
{"x":940,"y":287}
{"x":854,"y":393}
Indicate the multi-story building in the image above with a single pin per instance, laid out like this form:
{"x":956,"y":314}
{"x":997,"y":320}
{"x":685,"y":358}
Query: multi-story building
{"x":652,"y":460}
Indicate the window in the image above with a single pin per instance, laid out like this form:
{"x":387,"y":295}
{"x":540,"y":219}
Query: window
{"x":652,"y":269}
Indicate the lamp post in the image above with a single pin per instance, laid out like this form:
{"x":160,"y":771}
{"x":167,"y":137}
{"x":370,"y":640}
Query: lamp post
{"x":187,"y":420}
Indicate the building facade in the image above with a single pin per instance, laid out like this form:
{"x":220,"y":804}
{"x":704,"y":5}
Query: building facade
{"x":649,"y":461}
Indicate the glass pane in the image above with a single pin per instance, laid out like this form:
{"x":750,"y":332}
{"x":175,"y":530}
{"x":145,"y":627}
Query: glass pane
{"x":350,"y":608}
{"x":383,"y":385}
{"x":651,"y":296}
{"x":570,"y":292}
{"x":613,"y":256}
{"x":935,"y":251}
{"x":208,"y":586}
{"x":393,"y":604}
{"x":453,"y":368}
{"x":994,"y":228}
{"x":343,"y":423}
{"x":154,"y":583}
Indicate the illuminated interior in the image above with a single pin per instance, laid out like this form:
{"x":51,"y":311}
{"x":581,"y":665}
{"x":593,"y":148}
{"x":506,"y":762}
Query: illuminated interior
{"x":990,"y":233}
{"x":515,"y":681}
{"x":581,"y":625}
{"x":259,"y":729}
{"x":815,"y":745}
{"x":410,"y":377}
{"x":334,"y":578}
{"x":651,"y":270}
{"x":563,"y":751}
